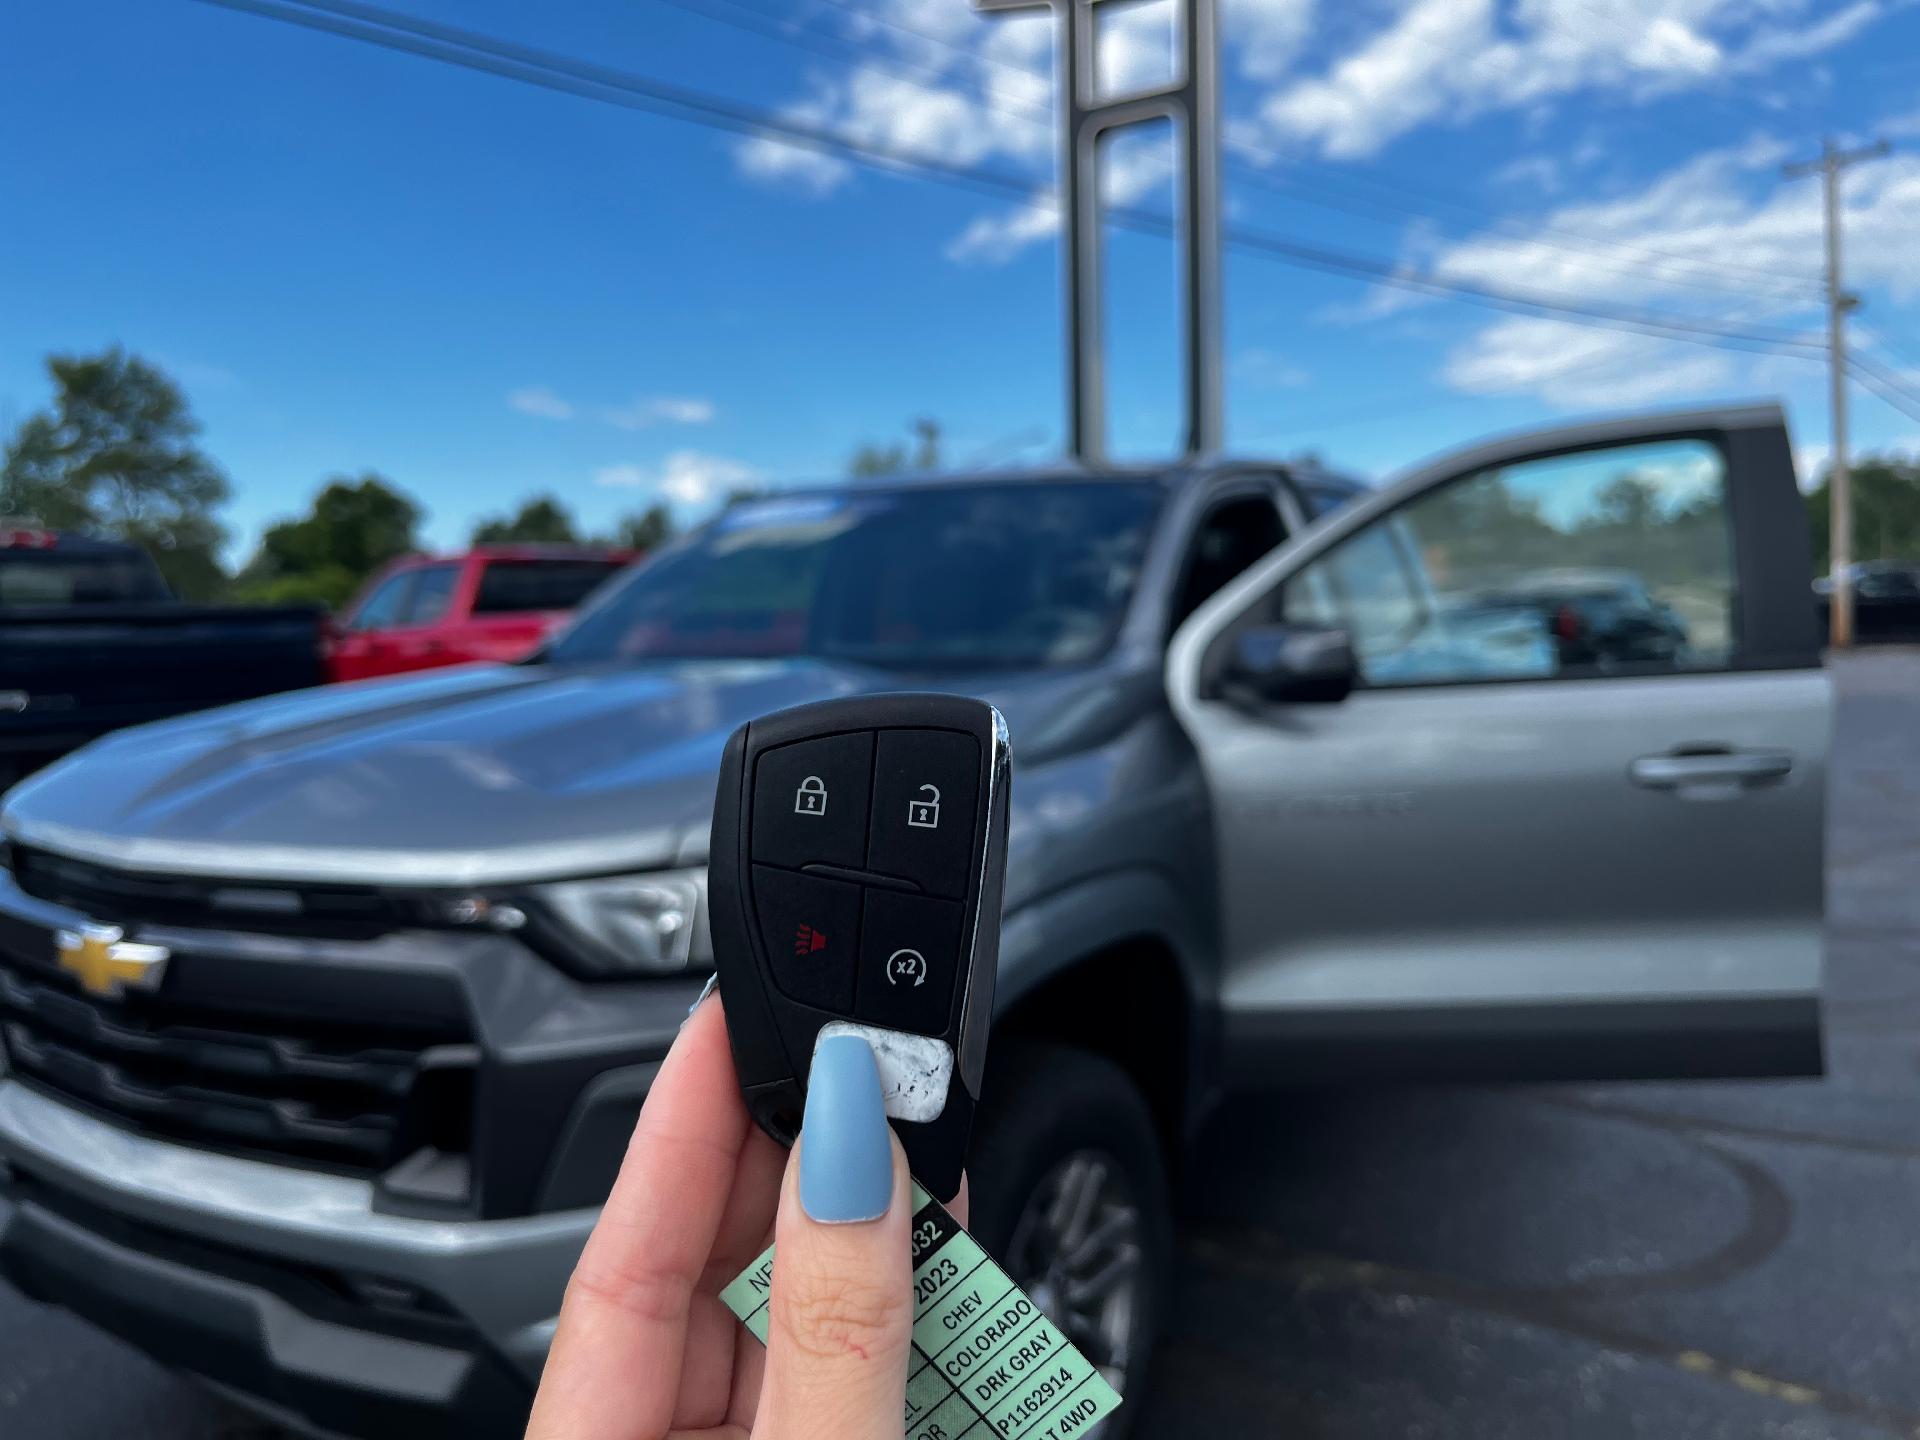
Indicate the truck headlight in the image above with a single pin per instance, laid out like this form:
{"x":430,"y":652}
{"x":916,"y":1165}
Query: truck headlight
{"x":622,"y":925}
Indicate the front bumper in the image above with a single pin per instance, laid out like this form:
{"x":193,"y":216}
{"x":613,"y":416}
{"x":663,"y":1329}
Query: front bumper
{"x":284,"y":1287}
{"x":328,"y":1296}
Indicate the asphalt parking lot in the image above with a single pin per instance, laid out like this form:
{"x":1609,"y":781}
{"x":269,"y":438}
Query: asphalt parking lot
{"x":1668,"y":1261}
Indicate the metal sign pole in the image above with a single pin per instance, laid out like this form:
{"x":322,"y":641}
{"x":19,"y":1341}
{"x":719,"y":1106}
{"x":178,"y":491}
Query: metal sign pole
{"x":1192,"y":104}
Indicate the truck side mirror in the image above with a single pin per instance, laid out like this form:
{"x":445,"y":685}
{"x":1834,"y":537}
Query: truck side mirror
{"x":1295,"y":664}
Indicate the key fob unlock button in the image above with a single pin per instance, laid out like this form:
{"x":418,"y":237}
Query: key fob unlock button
{"x":924,"y":787}
{"x":909,"y":959}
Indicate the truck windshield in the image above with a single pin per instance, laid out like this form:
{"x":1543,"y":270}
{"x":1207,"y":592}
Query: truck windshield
{"x":48,"y":577}
{"x":979,"y":575}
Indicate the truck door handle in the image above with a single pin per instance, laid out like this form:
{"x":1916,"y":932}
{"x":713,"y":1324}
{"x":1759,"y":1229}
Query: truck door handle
{"x":1717,"y":774}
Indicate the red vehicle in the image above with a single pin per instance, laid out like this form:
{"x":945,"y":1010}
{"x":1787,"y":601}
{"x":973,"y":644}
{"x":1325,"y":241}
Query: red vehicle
{"x":495,"y":602}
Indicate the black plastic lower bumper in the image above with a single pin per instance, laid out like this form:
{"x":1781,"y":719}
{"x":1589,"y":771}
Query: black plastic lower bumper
{"x":285,"y":1340}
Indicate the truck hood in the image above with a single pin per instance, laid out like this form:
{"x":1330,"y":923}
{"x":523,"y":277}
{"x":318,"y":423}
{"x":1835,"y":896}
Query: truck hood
{"x":462,"y":777}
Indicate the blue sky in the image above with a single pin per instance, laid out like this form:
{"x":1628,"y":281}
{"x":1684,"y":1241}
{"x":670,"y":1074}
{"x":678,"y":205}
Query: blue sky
{"x":354,"y":258}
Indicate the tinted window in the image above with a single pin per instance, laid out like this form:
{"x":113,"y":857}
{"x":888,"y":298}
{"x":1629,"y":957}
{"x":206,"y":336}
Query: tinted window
{"x":977,"y":576}
{"x":382,"y":607}
{"x":1234,"y":535}
{"x":432,"y":592}
{"x":42,"y":577}
{"x":1324,"y":499}
{"x":507,"y":585}
{"x":1600,"y":562}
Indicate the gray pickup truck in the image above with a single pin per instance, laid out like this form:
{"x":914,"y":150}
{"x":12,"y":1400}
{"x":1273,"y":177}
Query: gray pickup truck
{"x":327,"y":1016}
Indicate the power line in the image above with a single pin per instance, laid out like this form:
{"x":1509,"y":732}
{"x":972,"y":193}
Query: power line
{"x":447,"y":44}
{"x":1616,"y":256}
{"x":1511,"y":234}
{"x":491,"y":55}
{"x":1397,"y":188}
{"x":861,"y":12}
{"x":1886,"y":384}
{"x":1623,"y":262}
{"x":759,"y":22}
{"x":1622,"y":317}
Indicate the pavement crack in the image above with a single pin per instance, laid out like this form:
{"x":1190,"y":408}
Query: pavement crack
{"x":1735,"y":1129}
{"x":1254,"y":1255}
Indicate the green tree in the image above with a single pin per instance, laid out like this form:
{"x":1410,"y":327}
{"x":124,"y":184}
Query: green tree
{"x":116,"y":455}
{"x":540,"y":518}
{"x":357,"y":524}
{"x":874,"y":460}
{"x":647,"y":529}
{"x":1886,"y":510}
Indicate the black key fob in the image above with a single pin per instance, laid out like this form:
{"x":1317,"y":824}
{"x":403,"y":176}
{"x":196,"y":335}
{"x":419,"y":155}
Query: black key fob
{"x":859,"y":849}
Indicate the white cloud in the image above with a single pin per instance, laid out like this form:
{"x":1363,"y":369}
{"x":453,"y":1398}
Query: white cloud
{"x":999,"y":237}
{"x":686,"y":477}
{"x":1134,"y":48}
{"x":1389,"y":85}
{"x":539,"y":400}
{"x":1578,"y":367}
{"x":1458,"y":59}
{"x":1268,"y":370}
{"x":1540,"y":173}
{"x":952,"y":84}
{"x":1771,"y":48}
{"x":645,"y":410}
{"x":623,"y":477}
{"x":198,"y":374}
{"x":636,"y":414}
{"x":1266,"y":34}
{"x":1133,"y":166}
{"x":911,"y":116}
{"x":805,"y":168}
{"x":1723,"y":219}
{"x":1809,"y":459}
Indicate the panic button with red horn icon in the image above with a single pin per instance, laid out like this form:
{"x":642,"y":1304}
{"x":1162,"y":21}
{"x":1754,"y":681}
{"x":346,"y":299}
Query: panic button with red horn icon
{"x":811,"y":928}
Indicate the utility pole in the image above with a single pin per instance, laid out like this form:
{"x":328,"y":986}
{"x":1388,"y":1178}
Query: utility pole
{"x":1833,"y":162}
{"x":1192,"y":104}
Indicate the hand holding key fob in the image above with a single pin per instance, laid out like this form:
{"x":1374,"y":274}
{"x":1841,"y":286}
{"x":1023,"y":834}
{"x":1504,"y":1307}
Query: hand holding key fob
{"x":858,"y":854}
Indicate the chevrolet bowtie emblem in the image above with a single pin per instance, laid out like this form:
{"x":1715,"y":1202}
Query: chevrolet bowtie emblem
{"x":105,"y":963}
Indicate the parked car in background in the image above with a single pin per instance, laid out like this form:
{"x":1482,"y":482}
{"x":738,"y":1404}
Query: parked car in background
{"x":1886,"y":599}
{"x":91,"y":639}
{"x":495,"y":602}
{"x":1606,"y":618}
{"x":329,"y":1016}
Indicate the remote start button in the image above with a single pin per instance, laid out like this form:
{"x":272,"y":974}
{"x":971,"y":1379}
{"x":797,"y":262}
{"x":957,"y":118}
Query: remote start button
{"x":909,"y":956}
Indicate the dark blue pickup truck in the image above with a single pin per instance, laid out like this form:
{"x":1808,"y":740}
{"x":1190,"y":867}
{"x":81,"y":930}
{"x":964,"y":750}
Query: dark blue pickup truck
{"x":92,"y":640}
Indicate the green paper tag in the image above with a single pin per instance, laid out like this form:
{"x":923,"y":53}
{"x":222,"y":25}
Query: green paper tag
{"x":987,"y":1365}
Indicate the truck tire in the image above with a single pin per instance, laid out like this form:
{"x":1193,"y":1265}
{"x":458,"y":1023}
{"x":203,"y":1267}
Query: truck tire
{"x":1069,"y":1193}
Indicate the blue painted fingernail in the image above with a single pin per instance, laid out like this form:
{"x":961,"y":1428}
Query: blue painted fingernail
{"x":846,"y":1155}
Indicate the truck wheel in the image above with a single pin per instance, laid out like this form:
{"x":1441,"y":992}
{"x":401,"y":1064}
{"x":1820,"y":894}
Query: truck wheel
{"x":1069,"y":1194}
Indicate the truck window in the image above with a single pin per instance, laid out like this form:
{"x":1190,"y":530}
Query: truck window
{"x":47,"y":577}
{"x":382,"y":607}
{"x":432,"y":592}
{"x":1599,"y":562}
{"x":514,"y":585}
{"x":1234,"y":534}
{"x":942,"y":576}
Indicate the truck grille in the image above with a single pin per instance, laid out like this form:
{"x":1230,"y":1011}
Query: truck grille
{"x":350,"y":910}
{"x":360,"y":1098}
